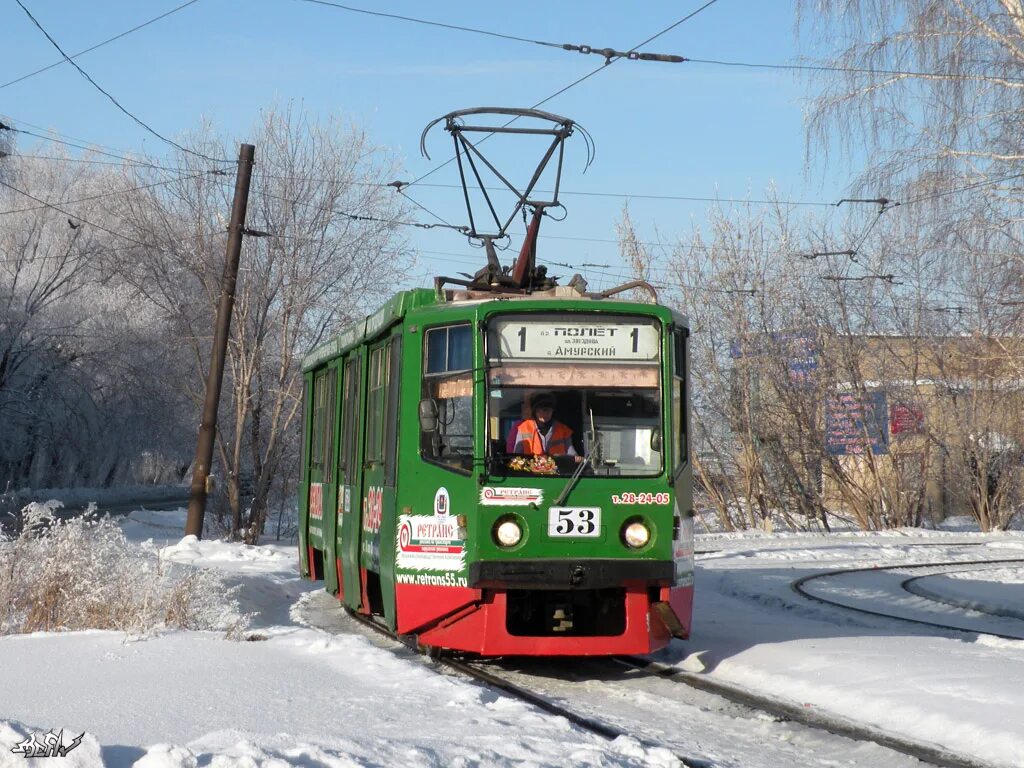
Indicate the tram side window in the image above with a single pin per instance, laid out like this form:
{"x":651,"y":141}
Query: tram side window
{"x":316,"y":437}
{"x":680,"y":447}
{"x":350,"y":418}
{"x":448,"y":383}
{"x":377,"y":388}
{"x":391,"y":415}
{"x":322,"y":442}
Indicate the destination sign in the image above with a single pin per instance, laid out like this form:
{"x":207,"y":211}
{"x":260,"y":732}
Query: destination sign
{"x":572,"y":339}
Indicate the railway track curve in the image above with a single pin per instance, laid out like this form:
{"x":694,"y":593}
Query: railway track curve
{"x":911,"y":586}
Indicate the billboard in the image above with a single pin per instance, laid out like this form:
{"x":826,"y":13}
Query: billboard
{"x":855,"y":423}
{"x":798,"y":348}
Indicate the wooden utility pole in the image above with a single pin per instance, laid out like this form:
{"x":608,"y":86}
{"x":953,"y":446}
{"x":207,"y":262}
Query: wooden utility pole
{"x":208,"y":426}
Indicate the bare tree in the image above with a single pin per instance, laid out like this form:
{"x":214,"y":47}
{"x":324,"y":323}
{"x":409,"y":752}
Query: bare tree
{"x":331,"y":249}
{"x":931,"y":87}
{"x":74,"y":400}
{"x":932,"y":91}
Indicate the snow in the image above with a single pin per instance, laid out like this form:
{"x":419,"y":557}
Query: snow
{"x":300,"y":695}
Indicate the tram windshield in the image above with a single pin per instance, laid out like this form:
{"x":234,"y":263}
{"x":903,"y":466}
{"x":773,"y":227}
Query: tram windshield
{"x":565,"y":390}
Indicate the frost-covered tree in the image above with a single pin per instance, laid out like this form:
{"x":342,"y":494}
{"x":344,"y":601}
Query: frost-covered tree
{"x":333,"y":249}
{"x":76,"y":404}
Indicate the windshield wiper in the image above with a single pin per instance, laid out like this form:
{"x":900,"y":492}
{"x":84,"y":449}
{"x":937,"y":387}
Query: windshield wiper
{"x":595,"y":444}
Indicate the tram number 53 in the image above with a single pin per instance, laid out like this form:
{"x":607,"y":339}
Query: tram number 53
{"x":574,"y":521}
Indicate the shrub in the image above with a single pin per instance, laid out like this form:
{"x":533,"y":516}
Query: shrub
{"x":82,"y":573}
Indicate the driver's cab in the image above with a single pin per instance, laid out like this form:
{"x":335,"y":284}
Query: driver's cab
{"x":616,"y":430}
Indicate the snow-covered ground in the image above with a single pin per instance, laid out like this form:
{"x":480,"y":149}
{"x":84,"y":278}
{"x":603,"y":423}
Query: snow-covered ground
{"x":303,"y":696}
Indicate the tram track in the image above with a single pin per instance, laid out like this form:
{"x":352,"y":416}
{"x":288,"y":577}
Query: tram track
{"x":804,"y":716}
{"x":800,"y":588}
{"x":490,"y":674}
{"x":475,"y":672}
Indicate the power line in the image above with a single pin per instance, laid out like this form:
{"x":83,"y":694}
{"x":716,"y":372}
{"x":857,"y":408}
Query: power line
{"x":435,"y":185}
{"x":456,"y":27}
{"x":109,"y":194}
{"x":853,"y":70}
{"x":608,"y":53}
{"x":360,"y":217}
{"x":77,"y":144}
{"x":424,"y":208}
{"x":85,"y":145}
{"x":114,"y":101}
{"x":632,"y":54}
{"x":965,"y":188}
{"x":607,"y":63}
{"x":55,"y":207}
{"x":629,"y":195}
{"x":99,"y":45}
{"x":92,"y":161}
{"x":632,"y":195}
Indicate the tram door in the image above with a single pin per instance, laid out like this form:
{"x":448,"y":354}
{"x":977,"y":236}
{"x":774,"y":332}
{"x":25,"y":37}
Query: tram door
{"x":328,"y":478}
{"x":319,"y":532}
{"x":380,"y":455}
{"x":350,"y":481}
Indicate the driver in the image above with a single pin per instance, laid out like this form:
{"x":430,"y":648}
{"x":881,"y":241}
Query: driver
{"x":543,"y":435}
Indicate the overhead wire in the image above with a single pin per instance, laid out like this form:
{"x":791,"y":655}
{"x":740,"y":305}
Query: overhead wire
{"x":607,"y":63}
{"x":427,"y":226}
{"x":411,"y":19}
{"x":109,"y":96}
{"x":69,"y":141}
{"x":105,"y":195}
{"x":587,"y":49}
{"x":855,"y":70}
{"x":100,"y":44}
{"x":69,"y":214}
{"x":356,"y":216}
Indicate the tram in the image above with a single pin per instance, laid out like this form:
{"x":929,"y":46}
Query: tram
{"x":415,"y":508}
{"x":501,"y":466}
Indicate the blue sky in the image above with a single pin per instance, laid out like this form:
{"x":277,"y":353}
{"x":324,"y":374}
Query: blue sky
{"x":661,"y":129}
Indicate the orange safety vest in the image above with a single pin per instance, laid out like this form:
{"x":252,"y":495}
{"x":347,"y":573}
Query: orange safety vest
{"x":529,"y":437}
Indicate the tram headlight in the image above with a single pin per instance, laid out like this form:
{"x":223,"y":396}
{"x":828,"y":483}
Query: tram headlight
{"x":508,"y":532}
{"x":636,"y":534}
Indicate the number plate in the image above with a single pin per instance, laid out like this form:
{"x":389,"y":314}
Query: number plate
{"x":574,"y":521}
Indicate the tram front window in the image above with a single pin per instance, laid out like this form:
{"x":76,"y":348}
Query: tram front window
{"x":615,"y":430}
{"x":570,"y":389}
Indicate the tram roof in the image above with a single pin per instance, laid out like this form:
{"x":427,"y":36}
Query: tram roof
{"x":391,"y":312}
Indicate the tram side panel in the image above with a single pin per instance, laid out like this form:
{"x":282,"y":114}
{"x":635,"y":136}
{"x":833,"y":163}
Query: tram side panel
{"x":679,"y":597}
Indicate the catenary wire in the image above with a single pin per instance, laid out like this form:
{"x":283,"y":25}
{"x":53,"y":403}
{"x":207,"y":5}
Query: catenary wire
{"x":100,"y":44}
{"x":576,"y":82}
{"x":94,"y":161}
{"x":456,"y":27}
{"x":854,"y":70}
{"x":106,"y":93}
{"x":105,"y":195}
{"x":680,"y":59}
{"x":85,"y":145}
{"x":69,"y":214}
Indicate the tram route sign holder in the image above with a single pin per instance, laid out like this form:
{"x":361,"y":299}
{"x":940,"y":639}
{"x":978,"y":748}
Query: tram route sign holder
{"x":601,"y":341}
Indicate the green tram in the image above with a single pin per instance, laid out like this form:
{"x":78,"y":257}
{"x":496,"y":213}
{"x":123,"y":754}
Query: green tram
{"x":416,"y":508}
